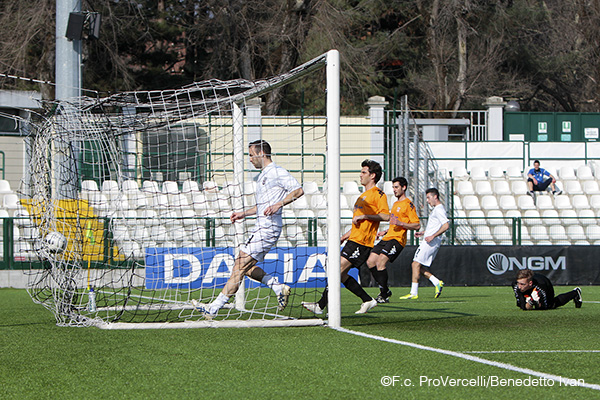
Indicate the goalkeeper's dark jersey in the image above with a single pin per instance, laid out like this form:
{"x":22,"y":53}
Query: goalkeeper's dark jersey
{"x":544,"y":288}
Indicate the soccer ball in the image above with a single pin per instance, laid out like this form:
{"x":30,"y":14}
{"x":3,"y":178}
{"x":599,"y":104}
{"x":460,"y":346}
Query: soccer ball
{"x":55,"y":242}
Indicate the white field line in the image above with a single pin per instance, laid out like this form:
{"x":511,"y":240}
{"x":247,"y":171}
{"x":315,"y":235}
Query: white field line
{"x":532,"y":351}
{"x":468,"y":357}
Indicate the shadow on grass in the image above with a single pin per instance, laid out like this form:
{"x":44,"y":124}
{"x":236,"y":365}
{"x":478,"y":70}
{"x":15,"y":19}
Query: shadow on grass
{"x":447,"y":314}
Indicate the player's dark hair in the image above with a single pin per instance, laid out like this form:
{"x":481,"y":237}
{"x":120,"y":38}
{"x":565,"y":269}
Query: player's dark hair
{"x":525,"y":273}
{"x":434,"y":191}
{"x":537,"y":161}
{"x":401,"y":180}
{"x":374,"y":168}
{"x":263,"y":146}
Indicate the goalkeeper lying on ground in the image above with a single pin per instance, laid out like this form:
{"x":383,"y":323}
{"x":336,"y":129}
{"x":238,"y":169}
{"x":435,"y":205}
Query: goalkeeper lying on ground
{"x":535,"y":291}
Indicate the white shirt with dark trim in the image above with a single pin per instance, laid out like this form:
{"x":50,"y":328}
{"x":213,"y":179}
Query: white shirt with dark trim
{"x":272,"y":185}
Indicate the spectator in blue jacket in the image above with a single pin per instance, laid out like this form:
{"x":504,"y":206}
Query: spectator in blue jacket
{"x":538,"y":180}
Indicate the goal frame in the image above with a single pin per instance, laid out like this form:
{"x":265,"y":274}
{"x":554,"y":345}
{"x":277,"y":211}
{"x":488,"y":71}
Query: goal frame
{"x":331,"y":62}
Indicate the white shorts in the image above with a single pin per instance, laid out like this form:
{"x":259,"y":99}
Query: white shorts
{"x":260,"y":243}
{"x":426,"y":253}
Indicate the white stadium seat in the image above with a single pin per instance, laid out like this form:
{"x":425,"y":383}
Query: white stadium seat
{"x":501,"y":188}
{"x":510,"y":214}
{"x":502,"y":232}
{"x":130,"y":186}
{"x":568,"y":216}
{"x":580,"y":202}
{"x":489,"y":203}
{"x":538,"y":233}
{"x":318,"y":202}
{"x":557,"y":233}
{"x":584,"y":173}
{"x":150,"y":187}
{"x":532,"y":217}
{"x":592,"y":232}
{"x":591,"y":187}
{"x":544,"y":202}
{"x":519,"y":187}
{"x":483,"y":233}
{"x":573,"y":187}
{"x":514,"y":173}
{"x":189,"y":187}
{"x":483,"y":188}
{"x":476,"y":217}
{"x":550,"y":217}
{"x":210,"y":186}
{"x":478,"y":174}
{"x":576,"y":232}
{"x":465,"y":188}
{"x":595,"y":201}
{"x":86,"y":185}
{"x":586,"y":217}
{"x":495,"y":217}
{"x":471,"y":202}
{"x":496,"y":173}
{"x":350,"y":188}
{"x":310,"y":187}
{"x":110,"y":188}
{"x":508,"y":202}
{"x":5,"y":186}
{"x":457,"y":202}
{"x":525,"y":202}
{"x":460,"y":173}
{"x":388,"y":188}
{"x":566,"y":173}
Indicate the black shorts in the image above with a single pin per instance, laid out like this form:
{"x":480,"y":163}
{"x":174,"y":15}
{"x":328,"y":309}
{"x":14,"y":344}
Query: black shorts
{"x":390,"y":248}
{"x":356,"y":253}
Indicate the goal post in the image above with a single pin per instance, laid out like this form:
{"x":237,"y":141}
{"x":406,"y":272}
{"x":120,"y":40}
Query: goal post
{"x":153,"y":177}
{"x":333,"y":181}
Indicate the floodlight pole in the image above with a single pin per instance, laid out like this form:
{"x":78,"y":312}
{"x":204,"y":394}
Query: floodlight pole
{"x":68,"y":53}
{"x":68,"y":89}
{"x":333,"y":188}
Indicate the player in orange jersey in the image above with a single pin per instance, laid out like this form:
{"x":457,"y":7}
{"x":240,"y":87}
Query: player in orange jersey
{"x":369,"y":210}
{"x":403,"y":217}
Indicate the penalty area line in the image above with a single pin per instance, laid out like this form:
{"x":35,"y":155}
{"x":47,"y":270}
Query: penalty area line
{"x":527,"y":371}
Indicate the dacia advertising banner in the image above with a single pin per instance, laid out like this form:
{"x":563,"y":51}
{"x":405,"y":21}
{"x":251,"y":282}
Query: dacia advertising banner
{"x":208,"y":267}
{"x":498,"y":265}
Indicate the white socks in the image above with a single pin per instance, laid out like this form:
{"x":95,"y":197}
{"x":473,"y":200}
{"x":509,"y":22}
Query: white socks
{"x":219,"y":302}
{"x":414,"y":288}
{"x":273,"y":283}
{"x":434,"y":280}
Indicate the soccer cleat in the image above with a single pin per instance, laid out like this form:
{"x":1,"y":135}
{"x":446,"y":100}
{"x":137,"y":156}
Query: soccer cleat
{"x":409,"y":297}
{"x":282,"y":298}
{"x":384,"y":297}
{"x":366,"y":306}
{"x":203,"y":308}
{"x":578,"y":300}
{"x":438,"y":289}
{"x":312,"y":307}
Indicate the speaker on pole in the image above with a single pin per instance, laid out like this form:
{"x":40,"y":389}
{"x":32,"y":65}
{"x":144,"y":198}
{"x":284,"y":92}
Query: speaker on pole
{"x":75,"y":26}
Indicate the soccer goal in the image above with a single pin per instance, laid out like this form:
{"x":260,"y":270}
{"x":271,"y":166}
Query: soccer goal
{"x":131,"y":196}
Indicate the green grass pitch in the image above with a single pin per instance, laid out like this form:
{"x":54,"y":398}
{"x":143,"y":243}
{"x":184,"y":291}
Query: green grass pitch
{"x":40,"y":360}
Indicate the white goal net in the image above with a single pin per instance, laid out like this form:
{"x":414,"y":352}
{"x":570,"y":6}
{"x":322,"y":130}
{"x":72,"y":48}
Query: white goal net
{"x":131,"y":195}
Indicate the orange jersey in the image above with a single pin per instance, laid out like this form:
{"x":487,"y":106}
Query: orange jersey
{"x":371,"y":202}
{"x":405,"y":211}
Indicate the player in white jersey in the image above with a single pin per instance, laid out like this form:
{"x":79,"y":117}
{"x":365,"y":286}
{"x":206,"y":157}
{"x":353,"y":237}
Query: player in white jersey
{"x":437,"y":224}
{"x":275,"y":188}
